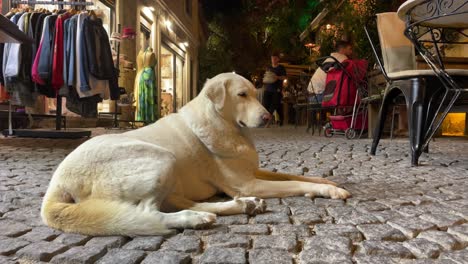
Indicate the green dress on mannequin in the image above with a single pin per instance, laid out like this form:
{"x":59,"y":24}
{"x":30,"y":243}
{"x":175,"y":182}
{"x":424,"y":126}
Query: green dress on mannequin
{"x":146,"y":92}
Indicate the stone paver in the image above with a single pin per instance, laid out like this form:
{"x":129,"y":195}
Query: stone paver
{"x":411,"y":226}
{"x":232,"y":220}
{"x":332,"y":243}
{"x":122,"y":256}
{"x":107,"y":242}
{"x":228,"y":241}
{"x":9,"y":246}
{"x":145,"y":243}
{"x":275,"y":242}
{"x":324,"y":256}
{"x":41,"y":233}
{"x":249,"y":229}
{"x":167,"y":257}
{"x":42,"y":251}
{"x":461,"y":232}
{"x":223,"y":255}
{"x":423,"y":248}
{"x":182,"y":243}
{"x":381,"y":232}
{"x":339,"y":229}
{"x":80,"y":254}
{"x":398,"y":213}
{"x":71,"y":239}
{"x":444,"y":239}
{"x":386,"y":248}
{"x":272,"y":218}
{"x":459,"y":257}
{"x":267,"y":256}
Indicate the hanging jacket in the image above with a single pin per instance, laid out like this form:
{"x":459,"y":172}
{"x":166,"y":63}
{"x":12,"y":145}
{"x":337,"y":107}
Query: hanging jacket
{"x":42,"y":67}
{"x":45,"y":60}
{"x":71,"y":50}
{"x":13,"y":59}
{"x":17,"y":67}
{"x":99,"y":54}
{"x":58,"y":53}
{"x":2,"y":48}
{"x":86,"y":84}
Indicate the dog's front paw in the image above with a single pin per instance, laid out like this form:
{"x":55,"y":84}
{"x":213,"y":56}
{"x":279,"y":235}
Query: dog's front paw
{"x":326,"y":190}
{"x":198,"y":219}
{"x":339,"y":193}
{"x":252,"y":205}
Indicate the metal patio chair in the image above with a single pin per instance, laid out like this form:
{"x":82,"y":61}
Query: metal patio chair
{"x":429,"y":94}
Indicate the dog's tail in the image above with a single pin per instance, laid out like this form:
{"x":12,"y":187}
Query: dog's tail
{"x":99,"y":217}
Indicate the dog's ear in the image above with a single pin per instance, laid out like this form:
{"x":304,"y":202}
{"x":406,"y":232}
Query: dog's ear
{"x":216,"y":92}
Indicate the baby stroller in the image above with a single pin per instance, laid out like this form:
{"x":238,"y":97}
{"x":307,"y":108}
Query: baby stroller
{"x":344,"y":89}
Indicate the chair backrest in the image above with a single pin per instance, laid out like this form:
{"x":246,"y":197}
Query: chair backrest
{"x":397,"y":51}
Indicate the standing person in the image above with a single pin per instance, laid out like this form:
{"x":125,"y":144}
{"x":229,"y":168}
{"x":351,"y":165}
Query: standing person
{"x":344,"y":51}
{"x":273,"y":90}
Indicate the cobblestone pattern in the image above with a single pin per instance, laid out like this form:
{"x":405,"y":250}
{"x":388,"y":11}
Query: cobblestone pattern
{"x":398,"y":213}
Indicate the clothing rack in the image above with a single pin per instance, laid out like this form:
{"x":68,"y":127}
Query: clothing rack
{"x":52,"y":3}
{"x":58,"y":132}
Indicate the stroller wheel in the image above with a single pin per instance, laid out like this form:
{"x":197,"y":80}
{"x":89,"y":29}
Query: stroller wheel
{"x":328,"y":130}
{"x":350,"y":133}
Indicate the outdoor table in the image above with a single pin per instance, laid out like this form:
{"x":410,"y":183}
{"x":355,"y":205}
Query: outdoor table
{"x":436,"y":22}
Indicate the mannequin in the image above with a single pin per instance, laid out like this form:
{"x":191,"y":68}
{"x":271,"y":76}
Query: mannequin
{"x":145,"y":86}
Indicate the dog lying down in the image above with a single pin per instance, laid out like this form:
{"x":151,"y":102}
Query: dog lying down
{"x":154,"y":179}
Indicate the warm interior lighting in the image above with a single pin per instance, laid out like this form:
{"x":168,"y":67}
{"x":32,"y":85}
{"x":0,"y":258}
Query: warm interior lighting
{"x":151,"y":8}
{"x":454,"y":124}
{"x":328,"y":26}
{"x":168,"y":24}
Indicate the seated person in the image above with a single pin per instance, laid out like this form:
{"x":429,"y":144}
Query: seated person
{"x":344,"y":50}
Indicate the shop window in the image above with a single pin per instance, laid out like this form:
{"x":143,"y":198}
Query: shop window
{"x":167,"y":81}
{"x":172,"y":81}
{"x":454,"y":124}
{"x":180,"y":93}
{"x":107,"y":12}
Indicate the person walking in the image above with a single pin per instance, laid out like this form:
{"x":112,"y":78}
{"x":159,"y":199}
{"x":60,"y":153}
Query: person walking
{"x":272,"y":96}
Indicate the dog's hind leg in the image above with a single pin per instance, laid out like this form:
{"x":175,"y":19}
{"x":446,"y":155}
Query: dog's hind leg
{"x":242,"y":205}
{"x":276,"y":176}
{"x":105,"y":217}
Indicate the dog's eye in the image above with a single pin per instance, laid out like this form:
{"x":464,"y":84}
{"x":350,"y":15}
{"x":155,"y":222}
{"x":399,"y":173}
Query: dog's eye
{"x":243,"y":94}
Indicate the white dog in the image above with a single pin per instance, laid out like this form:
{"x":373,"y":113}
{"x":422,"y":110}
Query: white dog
{"x":126,"y":184}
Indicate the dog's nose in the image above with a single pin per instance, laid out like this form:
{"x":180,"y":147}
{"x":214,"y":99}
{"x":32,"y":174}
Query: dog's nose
{"x":266,"y":117}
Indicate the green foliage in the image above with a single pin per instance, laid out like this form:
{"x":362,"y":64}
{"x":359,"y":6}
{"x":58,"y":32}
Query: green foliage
{"x":242,"y":39}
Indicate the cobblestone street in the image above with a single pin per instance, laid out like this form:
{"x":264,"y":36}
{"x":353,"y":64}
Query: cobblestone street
{"x":398,"y":213}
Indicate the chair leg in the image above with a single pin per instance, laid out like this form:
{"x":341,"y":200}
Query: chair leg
{"x":426,"y":149}
{"x":296,"y":119}
{"x":380,"y":124}
{"x":417,"y":108}
{"x":312,"y":120}
{"x":392,"y":127}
